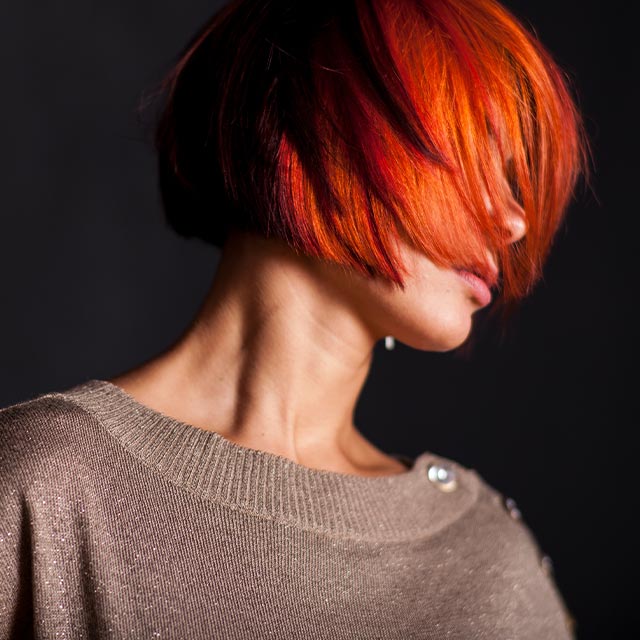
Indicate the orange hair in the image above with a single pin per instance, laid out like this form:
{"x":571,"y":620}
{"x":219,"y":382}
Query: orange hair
{"x":339,"y":127}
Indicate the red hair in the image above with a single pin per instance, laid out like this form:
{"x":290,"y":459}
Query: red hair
{"x":338,"y":126}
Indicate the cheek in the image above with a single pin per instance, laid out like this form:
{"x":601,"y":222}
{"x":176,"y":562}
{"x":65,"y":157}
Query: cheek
{"x":431,"y":314}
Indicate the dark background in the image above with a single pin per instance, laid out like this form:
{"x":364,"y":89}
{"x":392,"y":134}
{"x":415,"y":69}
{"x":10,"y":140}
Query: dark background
{"x":93,"y":282}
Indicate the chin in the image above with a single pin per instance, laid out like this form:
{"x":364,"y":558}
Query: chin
{"x":442,"y":336}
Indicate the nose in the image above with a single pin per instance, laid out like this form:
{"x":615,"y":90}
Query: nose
{"x":516,"y":223}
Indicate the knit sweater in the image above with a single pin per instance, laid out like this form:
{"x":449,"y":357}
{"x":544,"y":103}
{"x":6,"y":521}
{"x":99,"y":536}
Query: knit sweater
{"x":118,"y":521}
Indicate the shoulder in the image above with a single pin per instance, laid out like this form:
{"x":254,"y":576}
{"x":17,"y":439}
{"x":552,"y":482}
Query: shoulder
{"x":495,"y":540}
{"x":492,"y":515}
{"x":501,"y":531}
{"x":446,"y":471}
{"x":40,"y":436}
{"x":40,"y":461}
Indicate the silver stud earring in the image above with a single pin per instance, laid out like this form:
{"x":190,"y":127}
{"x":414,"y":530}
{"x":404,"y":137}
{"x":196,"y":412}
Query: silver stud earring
{"x":389,"y":342}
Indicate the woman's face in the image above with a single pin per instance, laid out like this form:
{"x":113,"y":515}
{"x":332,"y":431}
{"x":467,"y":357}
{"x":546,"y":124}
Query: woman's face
{"x":434,"y":311}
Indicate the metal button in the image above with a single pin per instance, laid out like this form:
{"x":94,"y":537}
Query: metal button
{"x":512,"y":508}
{"x":444,"y":477}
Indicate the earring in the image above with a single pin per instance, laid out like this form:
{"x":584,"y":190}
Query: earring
{"x":389,"y":342}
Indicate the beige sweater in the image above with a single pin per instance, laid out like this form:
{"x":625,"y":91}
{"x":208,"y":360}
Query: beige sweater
{"x":117,"y":521}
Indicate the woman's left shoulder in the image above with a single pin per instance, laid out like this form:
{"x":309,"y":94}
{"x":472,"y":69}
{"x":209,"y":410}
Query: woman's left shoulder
{"x":492,"y":508}
{"x":496,"y":539}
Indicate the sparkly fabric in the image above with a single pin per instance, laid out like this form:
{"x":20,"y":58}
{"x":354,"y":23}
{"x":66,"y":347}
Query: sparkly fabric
{"x":117,"y":521}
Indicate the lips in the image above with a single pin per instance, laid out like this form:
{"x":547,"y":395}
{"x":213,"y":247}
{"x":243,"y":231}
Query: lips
{"x":479,"y":288}
{"x":486,"y":272}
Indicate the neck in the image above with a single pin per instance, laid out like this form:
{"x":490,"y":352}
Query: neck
{"x":274,"y":360}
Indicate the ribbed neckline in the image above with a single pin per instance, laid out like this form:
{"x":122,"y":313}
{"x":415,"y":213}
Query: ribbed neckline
{"x":393,"y":507}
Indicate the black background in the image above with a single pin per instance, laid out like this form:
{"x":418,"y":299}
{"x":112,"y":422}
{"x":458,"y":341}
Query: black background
{"x":93,"y":282}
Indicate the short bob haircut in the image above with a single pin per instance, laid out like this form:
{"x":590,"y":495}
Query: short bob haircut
{"x":339,"y":125}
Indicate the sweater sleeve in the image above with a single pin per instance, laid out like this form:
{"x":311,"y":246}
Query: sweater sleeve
{"x":15,"y":541}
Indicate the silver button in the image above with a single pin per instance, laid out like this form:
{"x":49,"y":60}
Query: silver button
{"x":512,"y":508}
{"x":442,"y":476}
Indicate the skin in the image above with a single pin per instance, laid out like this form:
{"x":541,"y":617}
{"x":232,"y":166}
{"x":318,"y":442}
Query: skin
{"x":280,"y":349}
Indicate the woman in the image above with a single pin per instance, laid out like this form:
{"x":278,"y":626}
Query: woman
{"x":368,"y":169}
